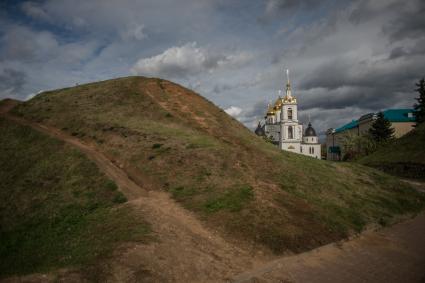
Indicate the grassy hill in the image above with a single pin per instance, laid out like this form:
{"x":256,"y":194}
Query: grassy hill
{"x":403,"y":157}
{"x":169,"y":138}
{"x":57,"y":210}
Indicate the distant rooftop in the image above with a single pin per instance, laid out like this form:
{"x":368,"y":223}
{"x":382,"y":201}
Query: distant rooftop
{"x":399,"y":115}
{"x":392,"y":115}
{"x":352,"y":124}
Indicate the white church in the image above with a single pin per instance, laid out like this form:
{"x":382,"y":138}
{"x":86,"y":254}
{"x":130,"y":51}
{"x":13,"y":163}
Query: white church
{"x":282,"y":127}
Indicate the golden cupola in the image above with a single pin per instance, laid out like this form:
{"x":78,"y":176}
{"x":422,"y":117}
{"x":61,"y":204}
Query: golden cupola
{"x":278,"y":104}
{"x":270,"y":110}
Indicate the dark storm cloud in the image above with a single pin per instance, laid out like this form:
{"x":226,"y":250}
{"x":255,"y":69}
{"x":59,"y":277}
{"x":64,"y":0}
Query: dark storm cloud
{"x":373,"y":74}
{"x":405,"y":52}
{"x":409,"y":23}
{"x":252,"y":115}
{"x":368,"y":98}
{"x":275,"y":8}
{"x":398,"y":52}
{"x":258,"y":110}
{"x":376,"y":85}
{"x":365,"y":10}
{"x":11,"y":82}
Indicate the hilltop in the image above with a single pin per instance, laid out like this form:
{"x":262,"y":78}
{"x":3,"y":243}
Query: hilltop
{"x":404,"y":157}
{"x":169,"y":139}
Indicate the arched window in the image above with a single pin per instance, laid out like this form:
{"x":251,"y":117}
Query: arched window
{"x":312,"y":150}
{"x":290,"y":132}
{"x":289,"y":113}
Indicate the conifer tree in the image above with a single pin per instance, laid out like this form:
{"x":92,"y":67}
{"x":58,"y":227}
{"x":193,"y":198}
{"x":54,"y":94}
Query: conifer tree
{"x":420,"y":106}
{"x":381,"y":130}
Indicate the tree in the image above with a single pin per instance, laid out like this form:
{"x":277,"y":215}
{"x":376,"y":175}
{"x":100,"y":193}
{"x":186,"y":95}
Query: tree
{"x":381,"y":130}
{"x":420,"y":106}
{"x":349,"y":145}
{"x":355,"y":146}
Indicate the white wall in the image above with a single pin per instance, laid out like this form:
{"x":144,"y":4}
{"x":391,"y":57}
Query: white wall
{"x":312,"y":150}
{"x":284,"y":115}
{"x":310,"y":140}
{"x":291,"y":146}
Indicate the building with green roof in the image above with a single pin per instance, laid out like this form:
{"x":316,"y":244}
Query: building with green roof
{"x":402,"y":120}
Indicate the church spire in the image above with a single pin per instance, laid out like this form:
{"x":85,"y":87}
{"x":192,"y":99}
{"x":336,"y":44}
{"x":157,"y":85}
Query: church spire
{"x":288,"y":85}
{"x":287,"y":77}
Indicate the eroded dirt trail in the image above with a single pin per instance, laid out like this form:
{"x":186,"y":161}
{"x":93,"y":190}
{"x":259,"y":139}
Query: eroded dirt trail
{"x":394,"y":254}
{"x":185,"y":251}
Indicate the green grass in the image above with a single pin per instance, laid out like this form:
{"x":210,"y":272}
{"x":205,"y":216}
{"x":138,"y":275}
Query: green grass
{"x":232,"y":200}
{"x":57,"y":210}
{"x":404,"y":157}
{"x":234,"y":181}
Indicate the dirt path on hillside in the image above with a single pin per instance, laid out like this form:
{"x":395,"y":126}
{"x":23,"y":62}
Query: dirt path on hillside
{"x":187,"y":252}
{"x":394,"y":254}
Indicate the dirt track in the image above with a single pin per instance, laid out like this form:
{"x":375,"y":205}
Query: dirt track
{"x":394,"y":254}
{"x":187,"y":252}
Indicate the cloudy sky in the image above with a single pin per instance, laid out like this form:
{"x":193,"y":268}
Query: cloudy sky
{"x":346,"y":58}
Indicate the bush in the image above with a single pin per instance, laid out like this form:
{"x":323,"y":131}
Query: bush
{"x":119,"y":198}
{"x":110,"y":185}
{"x":157,"y":145}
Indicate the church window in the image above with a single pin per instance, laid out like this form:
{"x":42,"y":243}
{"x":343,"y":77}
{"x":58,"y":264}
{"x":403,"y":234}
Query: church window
{"x":289,"y":114}
{"x":290,"y":133}
{"x":312,"y":150}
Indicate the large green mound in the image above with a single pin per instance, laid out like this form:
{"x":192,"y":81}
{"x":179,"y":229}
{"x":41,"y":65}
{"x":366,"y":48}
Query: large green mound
{"x":56,"y":210}
{"x":403,"y":157}
{"x":169,"y":138}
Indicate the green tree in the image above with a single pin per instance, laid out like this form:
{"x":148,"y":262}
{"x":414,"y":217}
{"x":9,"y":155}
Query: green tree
{"x":368,"y":144}
{"x":349,"y":146}
{"x":420,"y":106}
{"x":381,"y":130}
{"x":355,"y":146}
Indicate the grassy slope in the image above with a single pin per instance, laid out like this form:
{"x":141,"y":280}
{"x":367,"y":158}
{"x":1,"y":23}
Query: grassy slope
{"x":169,"y":138}
{"x":56,"y":208}
{"x":404,"y":156}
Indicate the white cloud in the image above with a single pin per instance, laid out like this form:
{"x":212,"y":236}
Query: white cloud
{"x":235,"y":60}
{"x":233,"y":111}
{"x":174,"y":62}
{"x":188,"y":59}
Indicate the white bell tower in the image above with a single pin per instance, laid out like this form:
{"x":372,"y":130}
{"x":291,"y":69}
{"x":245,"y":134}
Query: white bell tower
{"x":290,"y":129}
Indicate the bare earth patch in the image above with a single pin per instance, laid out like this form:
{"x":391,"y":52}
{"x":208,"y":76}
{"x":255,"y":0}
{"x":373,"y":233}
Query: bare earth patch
{"x":394,"y":254}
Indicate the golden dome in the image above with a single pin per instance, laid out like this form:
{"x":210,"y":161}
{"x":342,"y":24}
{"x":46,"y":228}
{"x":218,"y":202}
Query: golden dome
{"x":270,"y":110}
{"x":278,"y":103}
